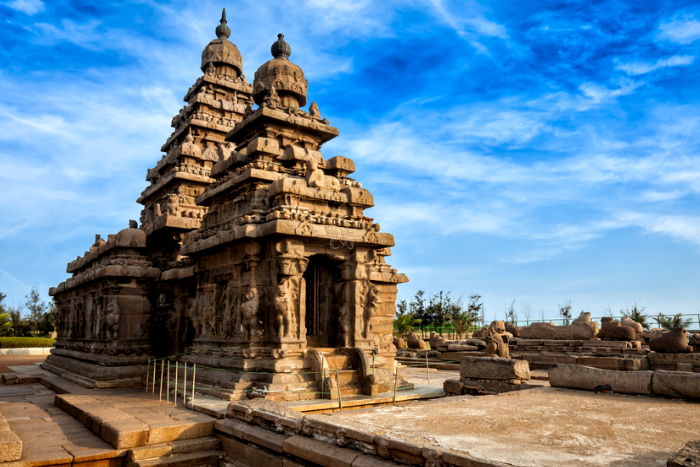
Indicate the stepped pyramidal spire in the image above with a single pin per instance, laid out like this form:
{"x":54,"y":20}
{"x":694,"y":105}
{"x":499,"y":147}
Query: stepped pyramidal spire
{"x":253,"y":251}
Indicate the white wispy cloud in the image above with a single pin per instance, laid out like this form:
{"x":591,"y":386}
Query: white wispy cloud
{"x":681,"y":30}
{"x":641,"y":68}
{"x":29,"y":7}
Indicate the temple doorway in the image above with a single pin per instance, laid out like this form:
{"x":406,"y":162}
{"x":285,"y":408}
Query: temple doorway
{"x":322,"y":278}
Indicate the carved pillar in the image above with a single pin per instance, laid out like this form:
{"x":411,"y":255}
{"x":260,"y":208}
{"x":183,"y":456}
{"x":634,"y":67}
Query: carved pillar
{"x":356,"y":289}
{"x":290,"y":295}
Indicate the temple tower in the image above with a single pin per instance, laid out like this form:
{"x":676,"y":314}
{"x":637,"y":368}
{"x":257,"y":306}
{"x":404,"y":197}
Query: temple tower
{"x":254,"y":258}
{"x":289,"y":270}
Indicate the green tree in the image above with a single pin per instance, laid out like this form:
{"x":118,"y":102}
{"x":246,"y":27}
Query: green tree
{"x":677,"y":321}
{"x":5,"y":321}
{"x":636,"y":313}
{"x":511,"y":315}
{"x":36,"y":307}
{"x":417,"y":307}
{"x":565,"y":312}
{"x":463,"y":318}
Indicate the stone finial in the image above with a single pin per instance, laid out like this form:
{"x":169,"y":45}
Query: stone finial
{"x":223,"y":31}
{"x":280,"y":49}
{"x":133,"y":224}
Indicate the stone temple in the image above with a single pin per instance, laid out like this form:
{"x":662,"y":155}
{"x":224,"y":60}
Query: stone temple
{"x":253,"y":259}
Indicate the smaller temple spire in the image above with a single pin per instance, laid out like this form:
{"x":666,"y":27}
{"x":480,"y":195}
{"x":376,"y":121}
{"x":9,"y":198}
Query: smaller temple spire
{"x":223,"y":31}
{"x":280,"y":49}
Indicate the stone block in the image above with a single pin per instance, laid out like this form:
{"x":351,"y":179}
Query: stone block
{"x":372,"y":461}
{"x":255,"y":456}
{"x":10,"y":378}
{"x":232,"y":447}
{"x":494,"y":368}
{"x":164,"y":432}
{"x":688,"y":456}
{"x":10,"y":446}
{"x":264,"y":438}
{"x":583,"y":377}
{"x":270,"y":413}
{"x":599,"y":362}
{"x":123,"y":434}
{"x":684,"y":367}
{"x":319,"y":452}
{"x":676,"y":384}
{"x":462,"y":348}
{"x":209,"y":443}
{"x":548,"y":331}
{"x":452,"y":386}
{"x":633,"y":364}
{"x":149,"y":452}
{"x":529,"y":342}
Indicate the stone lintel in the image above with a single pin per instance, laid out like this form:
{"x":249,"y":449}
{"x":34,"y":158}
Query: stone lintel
{"x":259,"y":174}
{"x":175,"y":222}
{"x":239,"y":86}
{"x":304,"y":230}
{"x":265,"y":115}
{"x":137,"y":272}
{"x":177,"y":274}
{"x":190,"y":177}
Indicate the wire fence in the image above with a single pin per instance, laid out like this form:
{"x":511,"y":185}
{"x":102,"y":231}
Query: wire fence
{"x":693,"y":324}
{"x":171,"y":376}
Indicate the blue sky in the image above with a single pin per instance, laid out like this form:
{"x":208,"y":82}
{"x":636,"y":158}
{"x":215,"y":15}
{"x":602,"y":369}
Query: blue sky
{"x":537,"y":151}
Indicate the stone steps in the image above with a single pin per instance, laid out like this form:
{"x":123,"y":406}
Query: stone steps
{"x":135,"y":421}
{"x":197,"y":459}
{"x":190,"y":452}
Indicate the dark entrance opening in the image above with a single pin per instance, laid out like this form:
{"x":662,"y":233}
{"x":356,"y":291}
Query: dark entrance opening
{"x":322,"y":278}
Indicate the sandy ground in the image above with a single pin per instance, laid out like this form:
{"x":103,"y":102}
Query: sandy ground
{"x":548,"y":426}
{"x":7,"y":361}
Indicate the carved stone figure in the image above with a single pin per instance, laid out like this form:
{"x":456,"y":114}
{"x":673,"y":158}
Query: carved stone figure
{"x":415,"y":342}
{"x":250,"y":313}
{"x":513,"y":329}
{"x":399,"y":343}
{"x":316,"y":178}
{"x":313,"y":111}
{"x":583,"y":318}
{"x":673,"y":341}
{"x":373,"y":303}
{"x":112,"y":320}
{"x":283,"y":310}
{"x":496,"y":340}
{"x":611,"y":329}
{"x":625,"y":321}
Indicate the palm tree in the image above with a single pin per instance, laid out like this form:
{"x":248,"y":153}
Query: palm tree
{"x":677,"y":321}
{"x":404,"y":324}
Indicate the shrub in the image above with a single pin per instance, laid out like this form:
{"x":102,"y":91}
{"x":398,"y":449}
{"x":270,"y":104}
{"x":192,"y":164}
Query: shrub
{"x":25,"y":342}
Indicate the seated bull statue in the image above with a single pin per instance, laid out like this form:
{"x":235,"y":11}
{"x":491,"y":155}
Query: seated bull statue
{"x":611,"y":329}
{"x":673,"y":341}
{"x":513,"y":329}
{"x":399,"y":343}
{"x":415,"y":342}
{"x":625,"y":321}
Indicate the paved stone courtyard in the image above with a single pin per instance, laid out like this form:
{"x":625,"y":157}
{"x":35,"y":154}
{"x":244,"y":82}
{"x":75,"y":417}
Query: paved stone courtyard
{"x":547,"y":426}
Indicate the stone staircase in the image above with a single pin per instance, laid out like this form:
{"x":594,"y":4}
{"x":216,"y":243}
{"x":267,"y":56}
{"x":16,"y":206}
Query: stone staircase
{"x":203,"y":452}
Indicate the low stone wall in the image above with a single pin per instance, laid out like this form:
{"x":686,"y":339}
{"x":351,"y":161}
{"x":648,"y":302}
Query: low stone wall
{"x":27,"y":351}
{"x":660,"y":382}
{"x":261,"y":432}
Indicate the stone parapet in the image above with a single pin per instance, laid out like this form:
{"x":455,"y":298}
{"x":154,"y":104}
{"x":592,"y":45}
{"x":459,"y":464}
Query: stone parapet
{"x":267,"y":433}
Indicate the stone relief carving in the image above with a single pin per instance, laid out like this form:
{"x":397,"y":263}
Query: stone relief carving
{"x":250,"y":314}
{"x":283,"y":310}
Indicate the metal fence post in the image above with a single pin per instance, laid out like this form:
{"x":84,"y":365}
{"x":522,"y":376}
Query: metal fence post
{"x":162,"y":369}
{"x":194,"y":372}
